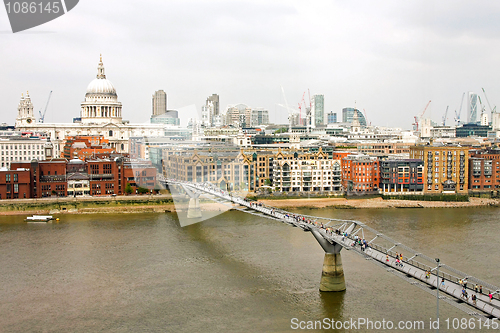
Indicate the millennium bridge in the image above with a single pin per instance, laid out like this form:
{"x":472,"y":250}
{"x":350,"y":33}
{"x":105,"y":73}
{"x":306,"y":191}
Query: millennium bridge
{"x":444,"y":282}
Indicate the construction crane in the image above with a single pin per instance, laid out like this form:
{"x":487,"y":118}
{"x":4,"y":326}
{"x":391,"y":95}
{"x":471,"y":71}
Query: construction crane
{"x":366,"y":118}
{"x":418,"y":119}
{"x":42,"y":115}
{"x":483,"y":119}
{"x":457,"y":115}
{"x":445,"y":115}
{"x":289,"y":109}
{"x":300,"y":107}
{"x":494,"y":110}
{"x":309,"y":121}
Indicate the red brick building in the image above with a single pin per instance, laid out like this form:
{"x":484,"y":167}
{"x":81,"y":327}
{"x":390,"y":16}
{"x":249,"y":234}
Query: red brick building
{"x":47,"y":178}
{"x":341,"y":154}
{"x":360,"y":174}
{"x":15,"y":184}
{"x":52,"y":178}
{"x":105,"y":177}
{"x":85,"y":147}
{"x":139,"y":173}
{"x":484,"y":170}
{"x":57,"y":177}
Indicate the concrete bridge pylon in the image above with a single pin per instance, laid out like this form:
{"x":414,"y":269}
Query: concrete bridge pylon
{"x":194,"y":209}
{"x":332,"y":275}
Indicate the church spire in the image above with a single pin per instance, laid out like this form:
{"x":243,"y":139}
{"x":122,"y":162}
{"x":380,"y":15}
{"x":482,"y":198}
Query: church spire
{"x":100,"y":69}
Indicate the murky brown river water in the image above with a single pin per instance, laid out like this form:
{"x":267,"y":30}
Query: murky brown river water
{"x":234,"y":273}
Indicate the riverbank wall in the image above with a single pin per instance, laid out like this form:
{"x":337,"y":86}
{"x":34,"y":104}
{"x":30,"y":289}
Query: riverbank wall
{"x":123,"y":204}
{"x":164,"y":203}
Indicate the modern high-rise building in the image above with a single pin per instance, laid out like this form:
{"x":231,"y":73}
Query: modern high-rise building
{"x":159,"y":103}
{"x":215,"y":100}
{"x":260,"y":116}
{"x":318,"y":109}
{"x":348,"y":115}
{"x":241,"y":115}
{"x":472,"y":102}
{"x":170,"y":117}
{"x":233,"y":115}
{"x":331,"y":117}
{"x":207,"y":114}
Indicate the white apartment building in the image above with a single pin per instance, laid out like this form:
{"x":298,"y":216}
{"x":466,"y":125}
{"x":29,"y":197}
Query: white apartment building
{"x":22,"y":149}
{"x":306,"y":173}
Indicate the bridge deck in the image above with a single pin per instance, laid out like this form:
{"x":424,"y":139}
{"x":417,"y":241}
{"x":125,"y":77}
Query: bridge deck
{"x":412,"y":270}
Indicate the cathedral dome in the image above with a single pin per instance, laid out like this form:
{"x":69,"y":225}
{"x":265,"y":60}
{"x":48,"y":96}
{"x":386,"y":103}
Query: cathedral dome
{"x":101,"y":86}
{"x":101,"y":105}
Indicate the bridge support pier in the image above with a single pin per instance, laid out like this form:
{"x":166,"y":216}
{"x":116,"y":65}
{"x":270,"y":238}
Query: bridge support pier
{"x":332,"y":276}
{"x":194,"y":210}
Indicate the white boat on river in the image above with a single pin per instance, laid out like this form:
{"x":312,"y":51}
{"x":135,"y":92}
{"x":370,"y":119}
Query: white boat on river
{"x":40,"y":219}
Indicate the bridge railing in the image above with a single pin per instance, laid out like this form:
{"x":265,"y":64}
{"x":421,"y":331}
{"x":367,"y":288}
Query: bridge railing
{"x":487,"y":288}
{"x":378,"y":241}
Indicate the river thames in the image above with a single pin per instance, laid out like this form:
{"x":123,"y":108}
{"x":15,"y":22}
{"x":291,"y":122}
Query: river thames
{"x":233,"y":273}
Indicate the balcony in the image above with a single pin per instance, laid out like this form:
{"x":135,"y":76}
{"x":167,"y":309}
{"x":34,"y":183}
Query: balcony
{"x":53,"y":179}
{"x":107,"y":176}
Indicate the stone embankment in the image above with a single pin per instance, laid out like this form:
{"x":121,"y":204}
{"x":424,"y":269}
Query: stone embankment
{"x":90,"y":205}
{"x":164,"y":203}
{"x":342,"y":203}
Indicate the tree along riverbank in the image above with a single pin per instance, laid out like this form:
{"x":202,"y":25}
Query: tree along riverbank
{"x":164,"y":203}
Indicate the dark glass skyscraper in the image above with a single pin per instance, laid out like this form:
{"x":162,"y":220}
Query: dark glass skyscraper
{"x":348,"y":113}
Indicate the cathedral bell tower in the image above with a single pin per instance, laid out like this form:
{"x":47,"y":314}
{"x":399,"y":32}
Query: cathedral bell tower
{"x":25,"y":115}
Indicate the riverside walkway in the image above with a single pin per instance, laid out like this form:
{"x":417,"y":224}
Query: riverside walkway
{"x":355,"y":236}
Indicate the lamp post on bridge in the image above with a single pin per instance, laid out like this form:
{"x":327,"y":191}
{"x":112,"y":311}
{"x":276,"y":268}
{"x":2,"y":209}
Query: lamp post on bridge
{"x":437,"y":293}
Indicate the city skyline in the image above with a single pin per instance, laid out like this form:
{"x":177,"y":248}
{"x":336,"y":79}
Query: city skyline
{"x":386,"y":59}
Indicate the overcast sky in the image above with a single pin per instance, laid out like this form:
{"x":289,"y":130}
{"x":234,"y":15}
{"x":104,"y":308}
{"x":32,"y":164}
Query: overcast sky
{"x":388,"y":57}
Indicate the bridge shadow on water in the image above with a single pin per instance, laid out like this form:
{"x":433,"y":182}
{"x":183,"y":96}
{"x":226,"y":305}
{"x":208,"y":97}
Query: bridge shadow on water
{"x":297,"y":297}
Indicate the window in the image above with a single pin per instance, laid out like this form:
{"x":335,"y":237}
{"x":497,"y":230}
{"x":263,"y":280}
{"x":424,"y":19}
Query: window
{"x":15,"y":177}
